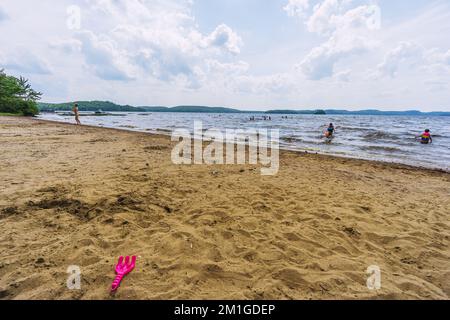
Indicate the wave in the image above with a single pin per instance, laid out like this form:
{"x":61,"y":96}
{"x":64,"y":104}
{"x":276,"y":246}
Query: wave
{"x":380,"y":135}
{"x":163,"y":130}
{"x":380,"y":148}
{"x":291,"y":139}
{"x":354,"y":129}
{"x":389,"y":138}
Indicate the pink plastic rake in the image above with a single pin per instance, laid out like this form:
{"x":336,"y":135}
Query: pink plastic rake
{"x":122,"y":269}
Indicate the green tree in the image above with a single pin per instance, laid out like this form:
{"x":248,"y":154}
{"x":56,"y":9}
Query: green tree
{"x":17,"y":96}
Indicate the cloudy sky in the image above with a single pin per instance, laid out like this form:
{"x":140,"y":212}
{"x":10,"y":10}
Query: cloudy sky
{"x":249,"y":54}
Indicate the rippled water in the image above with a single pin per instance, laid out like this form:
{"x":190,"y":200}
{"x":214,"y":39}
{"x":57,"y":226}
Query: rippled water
{"x":386,"y":138}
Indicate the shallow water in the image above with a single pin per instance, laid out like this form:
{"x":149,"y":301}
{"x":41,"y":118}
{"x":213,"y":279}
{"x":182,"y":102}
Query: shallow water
{"x":385,"y":138}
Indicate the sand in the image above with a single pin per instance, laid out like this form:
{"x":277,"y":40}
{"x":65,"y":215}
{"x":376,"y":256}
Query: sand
{"x":84,"y":196}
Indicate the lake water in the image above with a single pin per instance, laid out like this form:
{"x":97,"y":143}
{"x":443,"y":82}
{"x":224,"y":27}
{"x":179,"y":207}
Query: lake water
{"x":385,"y":138}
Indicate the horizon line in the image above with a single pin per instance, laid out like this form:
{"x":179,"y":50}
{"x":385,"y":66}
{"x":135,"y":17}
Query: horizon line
{"x":255,"y":110}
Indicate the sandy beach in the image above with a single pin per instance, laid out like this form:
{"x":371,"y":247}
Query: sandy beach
{"x":84,"y":196}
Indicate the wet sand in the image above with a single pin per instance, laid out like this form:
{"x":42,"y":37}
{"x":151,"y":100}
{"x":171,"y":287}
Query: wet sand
{"x":84,"y":196}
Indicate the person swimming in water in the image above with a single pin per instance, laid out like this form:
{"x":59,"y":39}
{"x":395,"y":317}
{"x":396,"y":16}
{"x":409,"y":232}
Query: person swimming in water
{"x":426,"y":138}
{"x":330,"y":131}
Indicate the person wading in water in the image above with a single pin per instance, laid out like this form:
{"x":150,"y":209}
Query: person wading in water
{"x":77,"y":114}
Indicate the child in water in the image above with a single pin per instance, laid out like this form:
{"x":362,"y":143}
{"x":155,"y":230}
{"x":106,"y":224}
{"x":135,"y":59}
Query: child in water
{"x":330,"y":131}
{"x":426,"y":138}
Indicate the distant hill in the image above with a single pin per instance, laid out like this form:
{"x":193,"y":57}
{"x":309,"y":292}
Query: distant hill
{"x":112,"y":107}
{"x":155,"y":109}
{"x":88,"y":106}
{"x":373,"y":112}
{"x":202,"y":109}
{"x":193,"y":109}
{"x":369,"y":112}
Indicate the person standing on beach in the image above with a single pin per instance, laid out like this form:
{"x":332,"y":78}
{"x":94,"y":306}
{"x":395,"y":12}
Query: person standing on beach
{"x":77,"y":114}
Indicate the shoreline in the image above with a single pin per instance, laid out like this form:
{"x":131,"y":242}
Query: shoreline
{"x":83,"y":196}
{"x":302,"y":152}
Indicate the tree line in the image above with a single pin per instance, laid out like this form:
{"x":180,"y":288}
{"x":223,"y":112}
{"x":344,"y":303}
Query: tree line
{"x":17,"y":96}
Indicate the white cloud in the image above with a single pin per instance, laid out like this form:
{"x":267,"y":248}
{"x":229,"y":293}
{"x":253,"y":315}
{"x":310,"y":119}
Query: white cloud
{"x":3,"y":15}
{"x":393,"y":59}
{"x":26,"y":62}
{"x":343,"y":76}
{"x":168,"y":52}
{"x":103,"y":56}
{"x":409,"y":60}
{"x":320,"y":21}
{"x":238,"y":68}
{"x":320,"y":62}
{"x":348,"y":33}
{"x":235,"y":78}
{"x":414,"y":57}
{"x":224,"y":37}
{"x":296,"y":8}
{"x":67,"y":46}
{"x":276,"y":84}
{"x":145,"y":38}
{"x":437,"y":57}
